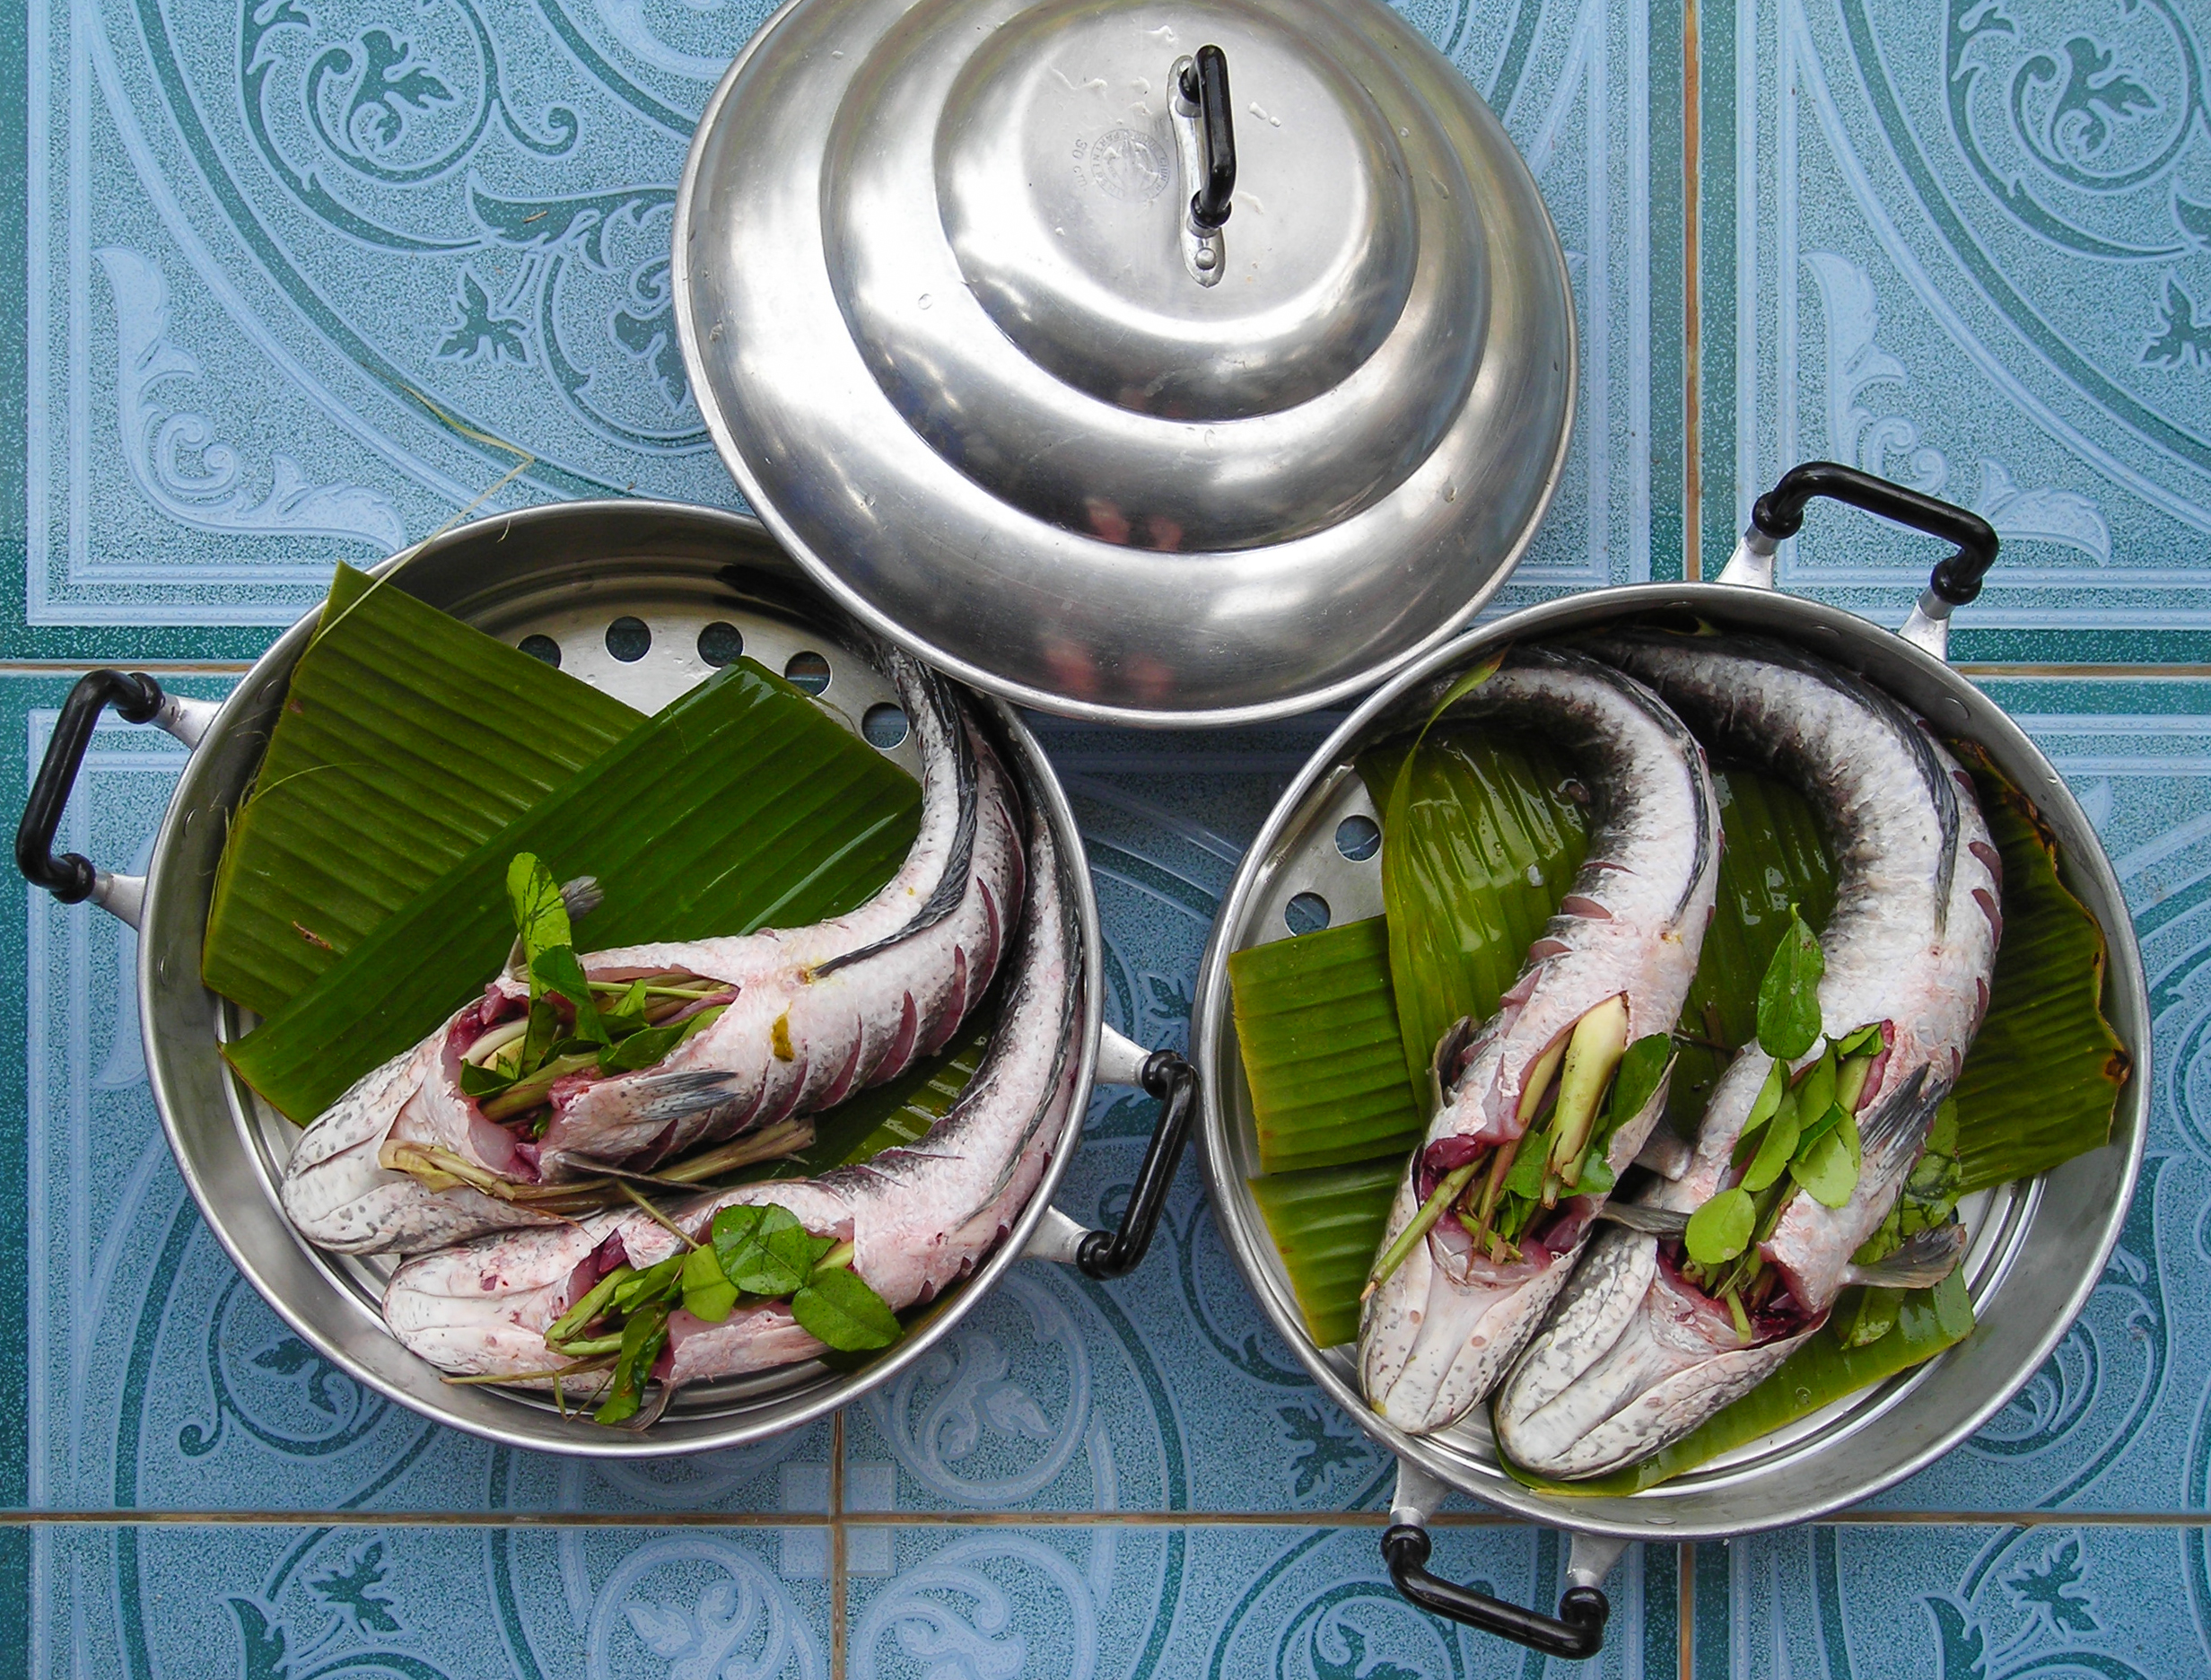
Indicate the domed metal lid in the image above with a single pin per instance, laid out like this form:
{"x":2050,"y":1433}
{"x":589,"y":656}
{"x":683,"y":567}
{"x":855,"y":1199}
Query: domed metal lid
{"x":1147,"y":360}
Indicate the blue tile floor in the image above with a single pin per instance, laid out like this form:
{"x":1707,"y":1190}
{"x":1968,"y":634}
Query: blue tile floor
{"x":1967,"y":247}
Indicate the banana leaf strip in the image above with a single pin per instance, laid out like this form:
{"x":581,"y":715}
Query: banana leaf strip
{"x":1818,"y":1373}
{"x":742,"y":805}
{"x":406,"y":740}
{"x":1326,"y":1223}
{"x":2041,"y":1082}
{"x":1318,"y":1027}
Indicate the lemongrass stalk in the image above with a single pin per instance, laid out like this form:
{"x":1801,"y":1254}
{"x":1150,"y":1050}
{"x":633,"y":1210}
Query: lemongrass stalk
{"x":592,"y":1303}
{"x":1500,"y":1164}
{"x":836,"y":1259}
{"x":596,"y":1363}
{"x":654,"y":1213}
{"x":1538,"y":1081}
{"x":527,"y":1094}
{"x":1850,"y":1081}
{"x":1430,"y":1211}
{"x":786,"y":1137}
{"x":494,"y":1040}
{"x":1593,"y":1053}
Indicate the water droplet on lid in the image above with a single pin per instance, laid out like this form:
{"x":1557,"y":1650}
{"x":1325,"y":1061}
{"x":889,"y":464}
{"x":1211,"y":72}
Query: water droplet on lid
{"x":926,"y":299}
{"x":1450,"y":493}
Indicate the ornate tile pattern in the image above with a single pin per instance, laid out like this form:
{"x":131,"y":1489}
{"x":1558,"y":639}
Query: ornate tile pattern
{"x":300,"y":282}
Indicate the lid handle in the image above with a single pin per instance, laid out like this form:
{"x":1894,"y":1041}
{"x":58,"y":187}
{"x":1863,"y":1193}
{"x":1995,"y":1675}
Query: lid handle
{"x":1205,"y":142}
{"x":1203,"y":82}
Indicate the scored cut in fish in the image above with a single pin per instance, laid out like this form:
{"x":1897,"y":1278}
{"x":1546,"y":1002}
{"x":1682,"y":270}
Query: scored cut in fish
{"x":1438,"y":1332}
{"x":1635,"y":1356}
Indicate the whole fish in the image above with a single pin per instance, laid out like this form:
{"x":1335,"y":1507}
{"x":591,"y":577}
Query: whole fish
{"x":919,"y":1217}
{"x":811,"y":1015}
{"x":1636,"y":1356}
{"x":1440,"y":1328}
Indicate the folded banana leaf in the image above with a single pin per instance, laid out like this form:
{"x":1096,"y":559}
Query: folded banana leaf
{"x":1487,"y":835}
{"x":406,"y":738}
{"x":1817,"y":1374}
{"x":741,"y":805}
{"x":1326,"y":1223}
{"x":2042,"y":1081}
{"x":1322,"y":1050}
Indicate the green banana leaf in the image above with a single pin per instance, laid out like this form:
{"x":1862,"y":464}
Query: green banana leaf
{"x":1489,"y":835}
{"x":406,"y":738}
{"x":1326,"y":1223}
{"x":862,"y":1127}
{"x":1817,"y":1374}
{"x":2041,"y":1082}
{"x":742,"y":805}
{"x":1774,"y":857}
{"x":1320,"y":1048}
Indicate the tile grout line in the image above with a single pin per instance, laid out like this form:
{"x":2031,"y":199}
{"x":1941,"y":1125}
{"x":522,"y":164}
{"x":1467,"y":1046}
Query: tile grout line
{"x":1692,"y":321}
{"x":837,"y":1574}
{"x":1686,"y":1598}
{"x":838,"y":1523}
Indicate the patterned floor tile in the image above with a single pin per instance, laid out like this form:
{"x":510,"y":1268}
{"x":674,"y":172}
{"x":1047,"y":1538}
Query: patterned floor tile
{"x":1958,"y":246}
{"x":1220,"y":1603}
{"x":426,"y":1603}
{"x":1955,"y":1602}
{"x":298,"y":285}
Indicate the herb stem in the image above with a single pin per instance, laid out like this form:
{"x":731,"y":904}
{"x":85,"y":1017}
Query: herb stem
{"x":1422,"y":1222}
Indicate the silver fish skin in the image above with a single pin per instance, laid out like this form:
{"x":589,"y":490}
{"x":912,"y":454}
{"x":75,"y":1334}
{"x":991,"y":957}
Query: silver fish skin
{"x":1434,"y":1336}
{"x":1637,"y":1358}
{"x":920,"y":1218}
{"x":340,"y":1196}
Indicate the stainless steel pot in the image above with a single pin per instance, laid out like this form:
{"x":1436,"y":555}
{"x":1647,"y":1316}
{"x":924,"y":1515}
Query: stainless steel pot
{"x":563,"y":573}
{"x":2036,"y":1249}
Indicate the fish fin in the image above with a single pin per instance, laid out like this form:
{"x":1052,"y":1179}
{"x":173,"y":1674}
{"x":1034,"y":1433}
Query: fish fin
{"x":1924,"y":1260}
{"x":1650,"y":1222}
{"x":1898,"y":1126}
{"x":1665,"y":1151}
{"x":673,"y":1096}
{"x":1454,"y":1040}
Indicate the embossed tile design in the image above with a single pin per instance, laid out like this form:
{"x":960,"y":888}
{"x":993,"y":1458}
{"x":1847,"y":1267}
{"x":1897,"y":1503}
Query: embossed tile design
{"x":1955,"y":1602}
{"x":1964,"y":246}
{"x":424,"y":1604}
{"x":1225,"y":1604}
{"x":292,"y":274}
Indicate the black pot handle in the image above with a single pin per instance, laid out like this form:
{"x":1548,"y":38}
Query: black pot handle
{"x":1781,"y":513}
{"x":1101,"y":1254}
{"x":137,"y":699}
{"x":1578,"y":1630}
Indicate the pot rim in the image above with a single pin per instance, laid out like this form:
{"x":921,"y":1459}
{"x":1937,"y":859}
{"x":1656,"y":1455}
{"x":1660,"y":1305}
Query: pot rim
{"x":228,"y":1221}
{"x":1649,"y":1515}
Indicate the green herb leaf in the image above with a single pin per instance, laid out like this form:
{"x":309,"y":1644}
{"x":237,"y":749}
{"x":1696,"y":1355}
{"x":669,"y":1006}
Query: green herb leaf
{"x":483,"y":1081}
{"x":643,"y":1049}
{"x":570,"y":1324}
{"x":655,"y":1282}
{"x":837,"y":1308}
{"x":642,"y":1338}
{"x":706,"y":1293}
{"x":540,"y":917}
{"x":1815,"y":1092}
{"x":1526,"y":1176}
{"x":1774,"y":1149}
{"x":1867,"y":1038}
{"x":764,"y":1250}
{"x":1788,"y":997}
{"x":545,"y":1032}
{"x":558,"y":972}
{"x":1720,"y":1230}
{"x":1642,"y":1069}
{"x":1825,"y":1170}
{"x":1596,"y":1179}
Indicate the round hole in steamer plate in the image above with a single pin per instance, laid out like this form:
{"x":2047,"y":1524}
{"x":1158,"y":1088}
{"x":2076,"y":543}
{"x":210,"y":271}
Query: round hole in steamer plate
{"x":808,"y":670}
{"x":1307,"y":913}
{"x":1358,"y":838}
{"x":721,"y":643}
{"x":628,"y":639}
{"x":542,"y":647}
{"x":884,"y":726}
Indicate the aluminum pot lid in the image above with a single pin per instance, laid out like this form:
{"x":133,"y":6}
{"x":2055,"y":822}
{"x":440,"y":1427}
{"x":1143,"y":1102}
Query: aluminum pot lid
{"x":1149,"y":360}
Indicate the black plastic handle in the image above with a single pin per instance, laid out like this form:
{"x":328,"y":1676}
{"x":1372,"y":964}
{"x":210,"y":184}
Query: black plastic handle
{"x":1781,"y":512}
{"x":137,"y":698}
{"x":1205,"y":84}
{"x":1576,"y":1631}
{"x":1171,"y":1079}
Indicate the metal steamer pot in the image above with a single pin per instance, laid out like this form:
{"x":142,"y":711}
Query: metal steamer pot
{"x":565,"y":573}
{"x":2036,"y":1249}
